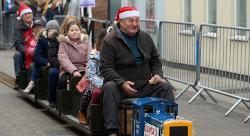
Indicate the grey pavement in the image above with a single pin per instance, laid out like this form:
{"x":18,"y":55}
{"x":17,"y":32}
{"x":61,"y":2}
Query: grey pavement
{"x":208,"y":118}
{"x":21,"y":117}
{"x":7,"y":63}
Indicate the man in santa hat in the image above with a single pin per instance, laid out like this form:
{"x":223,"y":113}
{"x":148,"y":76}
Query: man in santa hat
{"x":130,"y":66}
{"x":22,"y":38}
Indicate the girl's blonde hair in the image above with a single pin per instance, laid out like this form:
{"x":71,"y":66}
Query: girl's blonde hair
{"x":65,"y":23}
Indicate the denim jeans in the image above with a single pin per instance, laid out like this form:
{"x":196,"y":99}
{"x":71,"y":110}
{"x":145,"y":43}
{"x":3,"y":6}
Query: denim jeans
{"x":52,"y":84}
{"x":18,"y":62}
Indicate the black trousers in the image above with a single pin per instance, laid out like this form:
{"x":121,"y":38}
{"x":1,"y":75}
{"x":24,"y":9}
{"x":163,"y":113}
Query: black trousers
{"x":113,"y":95}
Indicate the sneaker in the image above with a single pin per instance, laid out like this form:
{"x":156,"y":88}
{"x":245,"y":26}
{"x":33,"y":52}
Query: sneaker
{"x":29,"y":87}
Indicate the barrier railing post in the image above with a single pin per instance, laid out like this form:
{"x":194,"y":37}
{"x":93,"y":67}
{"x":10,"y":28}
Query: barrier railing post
{"x":1,"y":26}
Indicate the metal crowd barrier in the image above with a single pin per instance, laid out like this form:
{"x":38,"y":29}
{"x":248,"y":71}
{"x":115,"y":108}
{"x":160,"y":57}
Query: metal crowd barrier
{"x":224,"y":63}
{"x":152,"y":28}
{"x":178,"y":52}
{"x":93,"y":27}
{"x":59,"y":18}
{"x":7,"y":30}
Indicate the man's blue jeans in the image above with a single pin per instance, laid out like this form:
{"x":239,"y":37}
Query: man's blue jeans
{"x":18,"y":62}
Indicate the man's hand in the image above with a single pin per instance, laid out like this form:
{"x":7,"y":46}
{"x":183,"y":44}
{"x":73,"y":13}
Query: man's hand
{"x":128,"y":88}
{"x":155,"y":79}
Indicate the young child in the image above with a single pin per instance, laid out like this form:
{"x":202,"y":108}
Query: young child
{"x":92,"y":92}
{"x":38,"y":27}
{"x":65,"y":22}
{"x":73,"y":52}
{"x":52,"y":33}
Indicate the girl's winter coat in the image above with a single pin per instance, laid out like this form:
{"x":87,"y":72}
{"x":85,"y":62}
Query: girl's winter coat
{"x":73,"y":57}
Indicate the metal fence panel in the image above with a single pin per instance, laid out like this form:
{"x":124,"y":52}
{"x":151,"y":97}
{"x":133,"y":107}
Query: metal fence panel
{"x":152,"y":28}
{"x":59,"y":18}
{"x":178,"y":52}
{"x":225,"y":59}
{"x":9,"y":29}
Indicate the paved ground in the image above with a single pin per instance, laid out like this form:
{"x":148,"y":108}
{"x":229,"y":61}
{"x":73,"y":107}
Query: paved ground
{"x":20,"y":117}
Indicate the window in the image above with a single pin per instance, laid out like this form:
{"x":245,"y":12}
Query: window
{"x":150,"y":9}
{"x":211,"y":17}
{"x":241,"y":13}
{"x":132,"y":3}
{"x":150,"y":14}
{"x":187,"y":11}
{"x":241,"y":16}
{"x":211,"y":11}
{"x":187,"y":28}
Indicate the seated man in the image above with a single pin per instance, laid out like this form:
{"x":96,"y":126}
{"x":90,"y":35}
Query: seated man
{"x":130,"y":66}
{"x":22,"y":38}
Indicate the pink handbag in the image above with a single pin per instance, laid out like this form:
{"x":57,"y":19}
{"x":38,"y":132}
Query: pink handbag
{"x":82,"y":84}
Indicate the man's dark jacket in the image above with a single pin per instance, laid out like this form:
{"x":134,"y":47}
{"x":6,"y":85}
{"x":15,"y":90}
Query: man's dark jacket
{"x":19,"y":40}
{"x":118,"y":63}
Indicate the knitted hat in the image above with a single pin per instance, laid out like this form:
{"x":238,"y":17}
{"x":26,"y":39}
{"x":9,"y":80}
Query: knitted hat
{"x":38,"y":22}
{"x":125,"y":12}
{"x":23,"y":9}
{"x":52,"y":24}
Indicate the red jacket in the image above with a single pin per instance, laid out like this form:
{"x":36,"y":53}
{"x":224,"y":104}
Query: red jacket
{"x":29,"y":44}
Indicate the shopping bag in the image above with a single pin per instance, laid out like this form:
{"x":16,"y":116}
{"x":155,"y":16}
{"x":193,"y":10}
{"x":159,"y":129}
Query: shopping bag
{"x":82,"y":84}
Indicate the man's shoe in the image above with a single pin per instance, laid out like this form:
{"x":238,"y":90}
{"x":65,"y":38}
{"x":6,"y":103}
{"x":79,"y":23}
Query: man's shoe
{"x":29,"y":87}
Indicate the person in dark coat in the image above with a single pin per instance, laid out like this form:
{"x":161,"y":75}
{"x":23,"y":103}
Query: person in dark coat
{"x":46,"y":55}
{"x":23,"y":31}
{"x":52,"y":33}
{"x":55,"y":8}
{"x":130,"y":66}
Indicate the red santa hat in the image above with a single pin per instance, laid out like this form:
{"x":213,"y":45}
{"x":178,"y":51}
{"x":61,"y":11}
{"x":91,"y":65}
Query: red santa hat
{"x":125,"y":12}
{"x":23,"y":9}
